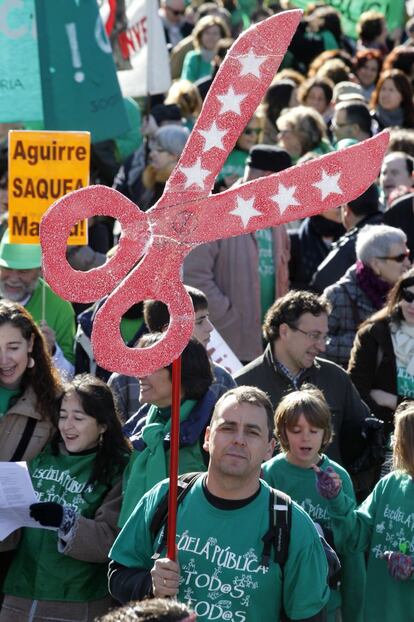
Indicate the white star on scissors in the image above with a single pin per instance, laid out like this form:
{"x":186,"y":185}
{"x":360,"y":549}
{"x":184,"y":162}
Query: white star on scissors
{"x":230,"y":101}
{"x":245,"y":210}
{"x":251,"y":64}
{"x":213,"y":137}
{"x":195,"y":174}
{"x":328,"y":184}
{"x":285,"y":197}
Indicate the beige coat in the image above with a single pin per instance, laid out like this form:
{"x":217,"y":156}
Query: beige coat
{"x":13,"y":423}
{"x":227,"y":272}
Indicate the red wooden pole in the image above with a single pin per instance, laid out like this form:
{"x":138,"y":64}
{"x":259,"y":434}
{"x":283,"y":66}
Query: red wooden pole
{"x":174,"y":450}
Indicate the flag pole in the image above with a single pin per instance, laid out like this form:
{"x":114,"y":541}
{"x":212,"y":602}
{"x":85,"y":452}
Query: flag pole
{"x":174,"y":450}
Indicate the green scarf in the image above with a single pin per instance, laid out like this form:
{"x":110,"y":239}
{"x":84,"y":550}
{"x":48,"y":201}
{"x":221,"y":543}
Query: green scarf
{"x":148,"y":467}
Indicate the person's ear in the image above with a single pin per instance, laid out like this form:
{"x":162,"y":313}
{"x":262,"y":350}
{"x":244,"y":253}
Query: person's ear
{"x":283,"y":330}
{"x":206,"y":443}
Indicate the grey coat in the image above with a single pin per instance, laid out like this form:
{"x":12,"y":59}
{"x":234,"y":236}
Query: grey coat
{"x":350,"y":307}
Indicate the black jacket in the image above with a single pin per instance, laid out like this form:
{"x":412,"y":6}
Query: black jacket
{"x":348,"y":410}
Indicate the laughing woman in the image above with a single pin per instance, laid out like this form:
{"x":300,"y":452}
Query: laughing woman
{"x":59,"y":573}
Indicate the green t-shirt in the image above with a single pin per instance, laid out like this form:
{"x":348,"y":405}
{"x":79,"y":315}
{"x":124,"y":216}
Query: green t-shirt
{"x":264,"y":239}
{"x":59,"y":315}
{"x":195,"y":67}
{"x":234,"y":165}
{"x":129,"y":327}
{"x":384,"y":522}
{"x":405,"y":382}
{"x":219,"y":553}
{"x":300,"y":483}
{"x":39,"y":571}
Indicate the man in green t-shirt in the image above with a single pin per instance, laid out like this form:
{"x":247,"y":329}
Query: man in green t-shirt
{"x":20,"y":270}
{"x":220,"y":569}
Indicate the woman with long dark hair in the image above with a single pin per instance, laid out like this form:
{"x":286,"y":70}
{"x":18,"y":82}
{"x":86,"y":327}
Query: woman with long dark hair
{"x":59,"y":573}
{"x":29,"y":385}
{"x":392,"y":100}
{"x":382,"y":358}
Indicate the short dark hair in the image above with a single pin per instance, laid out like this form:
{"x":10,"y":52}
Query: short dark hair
{"x":366,"y":203}
{"x":151,"y":610}
{"x":358,"y":113}
{"x":370,"y":25}
{"x":157,"y":316}
{"x":196,"y":372}
{"x":288,"y":310}
{"x":249,"y":395}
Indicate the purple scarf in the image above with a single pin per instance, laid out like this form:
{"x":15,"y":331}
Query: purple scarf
{"x":372,"y":285}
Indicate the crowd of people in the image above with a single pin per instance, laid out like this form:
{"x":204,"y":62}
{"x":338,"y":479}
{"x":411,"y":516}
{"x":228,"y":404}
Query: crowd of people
{"x":296,"y":465}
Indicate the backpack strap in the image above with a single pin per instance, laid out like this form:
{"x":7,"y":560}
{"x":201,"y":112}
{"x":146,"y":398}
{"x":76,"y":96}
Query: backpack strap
{"x":278,"y":534}
{"x":24,"y":440}
{"x":159,"y":520}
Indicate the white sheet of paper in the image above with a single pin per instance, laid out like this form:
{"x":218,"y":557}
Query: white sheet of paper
{"x":16,"y":495}
{"x":221,"y":353}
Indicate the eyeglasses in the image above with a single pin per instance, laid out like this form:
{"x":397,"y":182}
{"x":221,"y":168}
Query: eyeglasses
{"x":407,"y":295}
{"x":398,"y":258}
{"x":314,"y":336}
{"x":286,"y":130}
{"x":175,"y":12}
{"x":251,"y":130}
{"x":336,"y":125}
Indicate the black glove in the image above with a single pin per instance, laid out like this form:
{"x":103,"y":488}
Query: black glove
{"x":48,"y":514}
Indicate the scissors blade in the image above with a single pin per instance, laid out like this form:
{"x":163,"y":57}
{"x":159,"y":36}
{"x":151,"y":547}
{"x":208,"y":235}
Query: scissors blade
{"x":303,"y":190}
{"x":237,"y":90}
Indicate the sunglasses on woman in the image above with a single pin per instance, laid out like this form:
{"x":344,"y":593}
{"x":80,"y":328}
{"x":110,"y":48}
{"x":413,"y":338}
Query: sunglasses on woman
{"x":251,"y":130}
{"x":407,"y":295}
{"x":398,"y":258}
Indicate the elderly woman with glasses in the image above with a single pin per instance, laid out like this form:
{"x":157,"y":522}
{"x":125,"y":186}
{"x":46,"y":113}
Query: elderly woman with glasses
{"x":382,"y":257}
{"x":382,"y":358}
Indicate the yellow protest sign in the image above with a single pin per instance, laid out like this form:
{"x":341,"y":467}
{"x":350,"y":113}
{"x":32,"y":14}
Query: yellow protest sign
{"x":44,"y":166}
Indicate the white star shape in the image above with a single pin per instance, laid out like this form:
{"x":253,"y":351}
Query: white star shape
{"x":230,"y":101}
{"x":251,"y":64}
{"x":285,"y":197}
{"x":213,"y":137}
{"x":195,"y":174}
{"x":245,"y":210}
{"x":328,"y":184}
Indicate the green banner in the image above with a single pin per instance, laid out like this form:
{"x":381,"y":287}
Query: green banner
{"x":394,"y":11}
{"x":80,"y":88}
{"x":20,"y":97}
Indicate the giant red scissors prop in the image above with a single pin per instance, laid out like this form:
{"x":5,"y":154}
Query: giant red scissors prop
{"x":153,"y":245}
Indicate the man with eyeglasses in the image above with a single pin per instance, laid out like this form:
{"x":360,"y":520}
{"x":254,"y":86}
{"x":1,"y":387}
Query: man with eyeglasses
{"x":175,"y":26}
{"x":296,"y":327}
{"x":351,"y":120}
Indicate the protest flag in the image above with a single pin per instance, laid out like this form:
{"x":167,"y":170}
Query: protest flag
{"x":80,"y":90}
{"x":20,"y":92}
{"x":141,"y":44}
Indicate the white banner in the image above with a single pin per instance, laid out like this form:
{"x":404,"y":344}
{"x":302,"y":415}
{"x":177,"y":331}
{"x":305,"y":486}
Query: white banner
{"x":142,"y":46}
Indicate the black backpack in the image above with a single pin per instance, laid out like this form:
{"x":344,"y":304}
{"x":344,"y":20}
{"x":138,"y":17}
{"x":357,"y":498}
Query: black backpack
{"x":277,"y":536}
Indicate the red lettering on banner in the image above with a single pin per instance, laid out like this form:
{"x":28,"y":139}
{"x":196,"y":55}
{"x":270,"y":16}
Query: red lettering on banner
{"x":133,"y":39}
